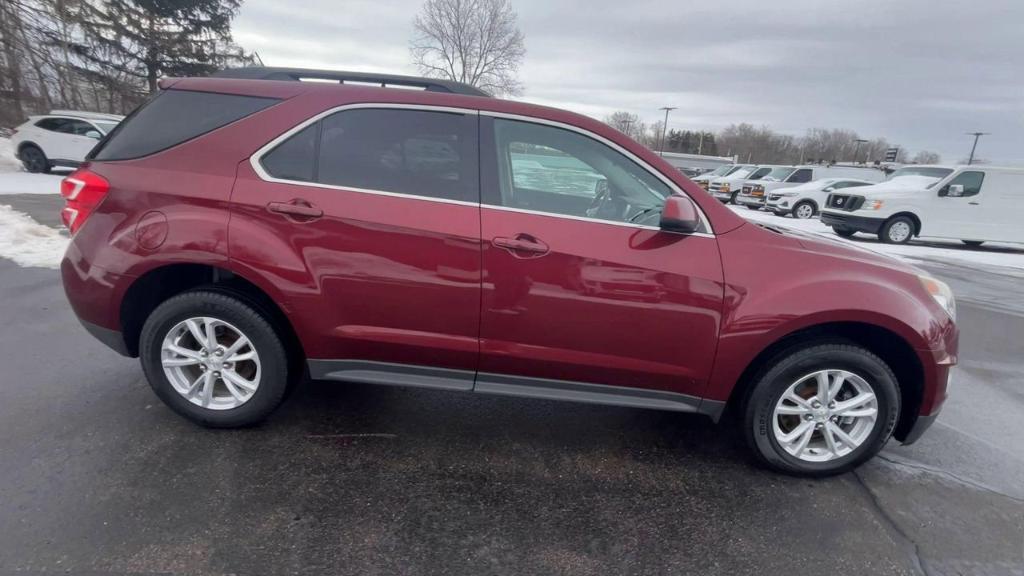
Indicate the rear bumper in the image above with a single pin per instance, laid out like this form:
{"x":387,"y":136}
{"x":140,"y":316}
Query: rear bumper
{"x":112,"y":338}
{"x":851,"y":222}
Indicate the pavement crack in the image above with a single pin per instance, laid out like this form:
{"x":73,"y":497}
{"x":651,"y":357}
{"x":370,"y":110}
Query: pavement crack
{"x":950,"y":476}
{"x":919,"y":563}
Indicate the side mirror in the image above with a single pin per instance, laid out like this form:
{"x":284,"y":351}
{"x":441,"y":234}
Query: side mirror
{"x":956,"y":190}
{"x":93,"y":134}
{"x":679,"y":215}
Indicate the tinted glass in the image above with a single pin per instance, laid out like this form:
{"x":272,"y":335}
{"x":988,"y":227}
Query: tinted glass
{"x":759,"y":173}
{"x":800,"y":176}
{"x":415,"y":152}
{"x":971,"y":181}
{"x":53,"y":124}
{"x":295,"y":158}
{"x":173,"y":117}
{"x":77,"y":127}
{"x":558,"y":171}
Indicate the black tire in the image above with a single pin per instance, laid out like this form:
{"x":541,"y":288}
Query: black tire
{"x":844,"y":232}
{"x":34,"y":160}
{"x":973,"y":243}
{"x":789,"y":367}
{"x":753,"y":207}
{"x":273,"y":382}
{"x":732,"y":198}
{"x":796,"y":210}
{"x":892,"y":225}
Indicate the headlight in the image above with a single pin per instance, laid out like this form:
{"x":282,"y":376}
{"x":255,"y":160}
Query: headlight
{"x":873,"y":204}
{"x":724,"y":187}
{"x":942,"y":294}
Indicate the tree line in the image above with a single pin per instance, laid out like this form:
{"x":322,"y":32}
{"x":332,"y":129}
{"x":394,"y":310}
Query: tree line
{"x":763,"y":145}
{"x":106,"y":55}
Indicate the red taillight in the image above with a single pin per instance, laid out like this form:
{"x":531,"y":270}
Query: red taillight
{"x":82,"y":191}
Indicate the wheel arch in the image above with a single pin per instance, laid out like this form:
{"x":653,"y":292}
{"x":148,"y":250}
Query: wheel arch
{"x":892,"y":348}
{"x":158,"y":284}
{"x":27,"y":143}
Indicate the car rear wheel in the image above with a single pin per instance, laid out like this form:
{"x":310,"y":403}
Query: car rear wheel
{"x":844,"y":232}
{"x":822,"y":409}
{"x":897,"y":230}
{"x":803,"y":210}
{"x":33,"y":159}
{"x":214,"y":359}
{"x":753,"y":207}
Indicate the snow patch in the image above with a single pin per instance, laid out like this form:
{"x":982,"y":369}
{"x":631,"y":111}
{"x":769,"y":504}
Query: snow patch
{"x":13,"y":180}
{"x":916,"y":252}
{"x":29,"y":243}
{"x":8,"y":160}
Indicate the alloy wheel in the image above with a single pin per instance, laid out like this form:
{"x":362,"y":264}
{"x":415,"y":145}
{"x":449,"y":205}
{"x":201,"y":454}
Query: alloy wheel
{"x":804,"y":211}
{"x":899,"y":232}
{"x":825,"y":415}
{"x":211,"y":363}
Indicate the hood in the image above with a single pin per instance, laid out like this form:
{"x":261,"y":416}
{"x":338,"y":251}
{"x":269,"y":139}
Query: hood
{"x":901,"y":184}
{"x":846,"y":251}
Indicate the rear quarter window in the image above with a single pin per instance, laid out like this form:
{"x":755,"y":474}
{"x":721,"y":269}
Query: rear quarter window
{"x":173,"y":117}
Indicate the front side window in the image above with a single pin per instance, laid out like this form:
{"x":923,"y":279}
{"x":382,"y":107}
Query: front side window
{"x":77,"y":127}
{"x":849,"y":184}
{"x":778,"y":174}
{"x":759,"y":173}
{"x":558,"y":171}
{"x":971,"y":181}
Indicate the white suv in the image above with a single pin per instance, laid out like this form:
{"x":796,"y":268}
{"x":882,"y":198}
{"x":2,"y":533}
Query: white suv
{"x":805,"y":200}
{"x":60,"y":138}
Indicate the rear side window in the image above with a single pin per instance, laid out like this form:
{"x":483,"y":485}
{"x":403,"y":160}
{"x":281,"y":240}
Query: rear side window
{"x":416,"y":152}
{"x":295,"y":158}
{"x":53,"y":124}
{"x":173,"y":117}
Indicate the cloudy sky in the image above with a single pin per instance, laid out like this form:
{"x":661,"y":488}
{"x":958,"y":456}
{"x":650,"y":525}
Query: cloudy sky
{"x":920,"y":73}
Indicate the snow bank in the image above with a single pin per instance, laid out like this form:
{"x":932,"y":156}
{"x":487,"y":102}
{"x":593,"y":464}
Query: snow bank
{"x":954,"y":252}
{"x":8,"y":161}
{"x":29,"y":243}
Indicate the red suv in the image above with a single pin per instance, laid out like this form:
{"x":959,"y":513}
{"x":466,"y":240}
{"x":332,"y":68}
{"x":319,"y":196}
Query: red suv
{"x":236,"y":232}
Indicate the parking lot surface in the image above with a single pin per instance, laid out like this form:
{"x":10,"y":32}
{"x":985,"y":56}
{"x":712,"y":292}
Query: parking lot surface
{"x":98,"y":476}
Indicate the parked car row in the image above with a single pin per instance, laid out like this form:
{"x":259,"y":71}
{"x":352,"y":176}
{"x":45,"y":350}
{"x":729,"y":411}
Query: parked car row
{"x":60,"y":138}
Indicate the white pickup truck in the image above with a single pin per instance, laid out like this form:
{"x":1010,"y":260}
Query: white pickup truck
{"x":726,"y":188}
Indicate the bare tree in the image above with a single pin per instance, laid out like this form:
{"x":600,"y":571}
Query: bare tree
{"x":627,"y":123}
{"x":473,"y":41}
{"x":926,"y":157}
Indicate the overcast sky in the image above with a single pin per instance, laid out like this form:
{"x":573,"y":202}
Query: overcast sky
{"x":920,"y":73}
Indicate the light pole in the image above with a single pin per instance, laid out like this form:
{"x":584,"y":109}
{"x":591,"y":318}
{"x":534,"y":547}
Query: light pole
{"x":856,"y":151}
{"x":664,"y":129}
{"x":975,"y":146}
{"x":700,"y":144}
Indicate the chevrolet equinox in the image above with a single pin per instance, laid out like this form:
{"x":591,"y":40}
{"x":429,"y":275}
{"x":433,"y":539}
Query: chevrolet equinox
{"x":241,"y":231}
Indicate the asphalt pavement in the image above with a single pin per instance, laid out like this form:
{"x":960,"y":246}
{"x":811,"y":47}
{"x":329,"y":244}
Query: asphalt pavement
{"x":98,"y":477}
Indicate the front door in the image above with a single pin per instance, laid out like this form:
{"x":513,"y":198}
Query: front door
{"x":369,"y":221}
{"x":579,"y":285}
{"x":961,"y":217}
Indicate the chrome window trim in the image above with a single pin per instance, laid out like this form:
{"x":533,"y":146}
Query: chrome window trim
{"x":262,"y":174}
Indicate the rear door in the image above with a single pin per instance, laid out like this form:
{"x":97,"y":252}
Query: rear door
{"x":580,"y":287}
{"x":368,"y":221}
{"x":76,"y":141}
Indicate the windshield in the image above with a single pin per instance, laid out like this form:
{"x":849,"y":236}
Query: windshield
{"x":779,"y":174}
{"x":759,"y":173}
{"x":928,"y":171}
{"x":742,"y":172}
{"x":723,"y":170}
{"x":106,"y":127}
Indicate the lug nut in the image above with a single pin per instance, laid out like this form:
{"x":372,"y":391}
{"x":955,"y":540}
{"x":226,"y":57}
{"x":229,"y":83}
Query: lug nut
{"x":816,"y":404}
{"x":808,"y":417}
{"x":819,"y":426}
{"x":832,"y":404}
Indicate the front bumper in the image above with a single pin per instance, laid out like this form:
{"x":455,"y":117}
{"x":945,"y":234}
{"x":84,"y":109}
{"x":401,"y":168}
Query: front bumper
{"x":851,"y":222}
{"x":750,"y":200}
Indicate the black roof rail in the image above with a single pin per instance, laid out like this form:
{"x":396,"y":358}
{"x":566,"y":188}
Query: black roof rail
{"x":340,"y":76}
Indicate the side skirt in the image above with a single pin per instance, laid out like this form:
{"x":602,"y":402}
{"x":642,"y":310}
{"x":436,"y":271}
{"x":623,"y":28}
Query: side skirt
{"x":389,"y":374}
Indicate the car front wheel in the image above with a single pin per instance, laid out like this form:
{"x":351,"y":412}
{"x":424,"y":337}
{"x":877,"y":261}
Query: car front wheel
{"x":214,"y":359}
{"x":803,"y":211}
{"x":822,"y":410}
{"x":844,"y":232}
{"x":898,"y":230}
